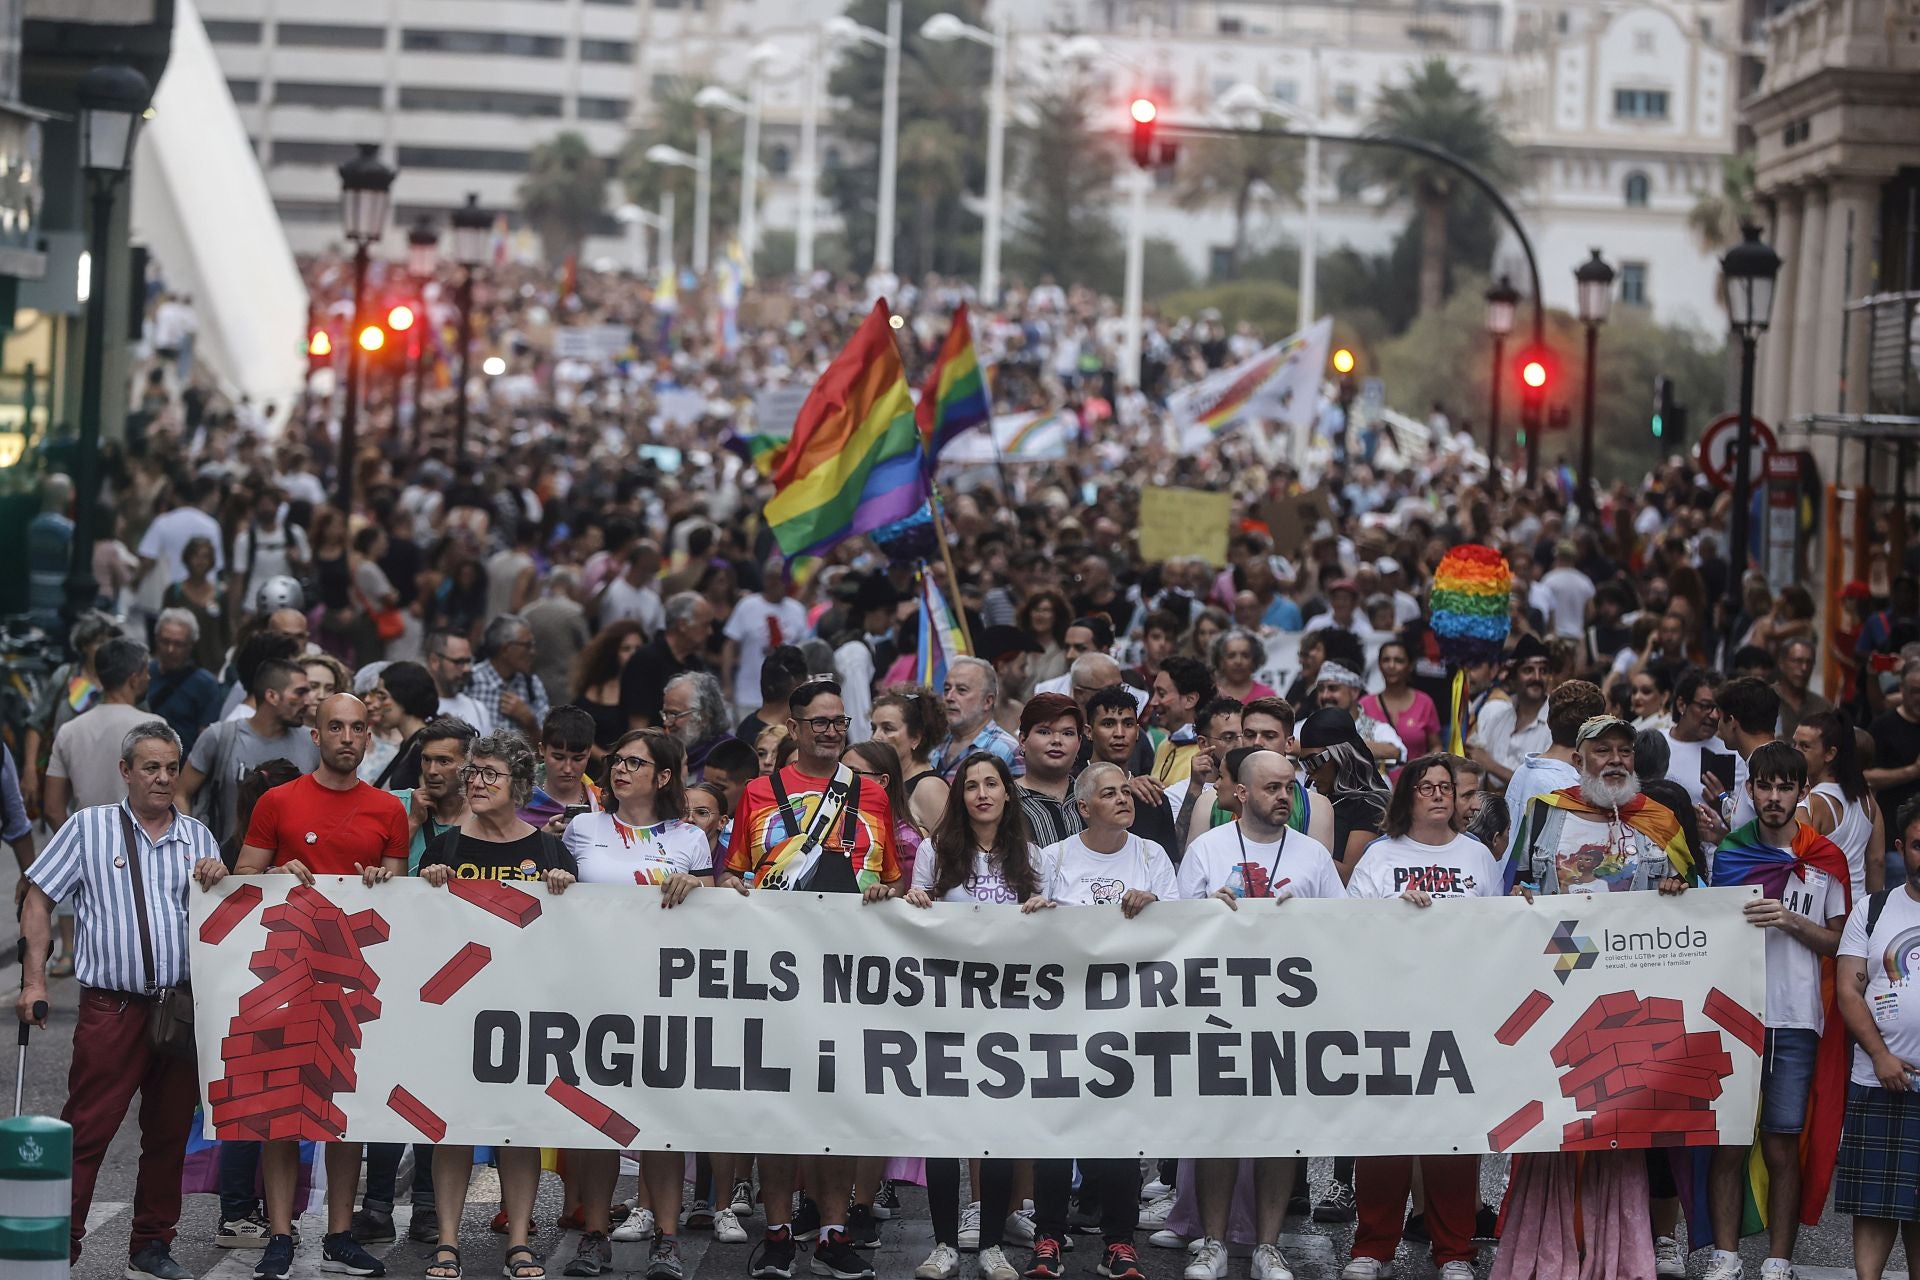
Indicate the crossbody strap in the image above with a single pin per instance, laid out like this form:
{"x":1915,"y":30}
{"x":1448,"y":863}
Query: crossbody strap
{"x":128,"y":834}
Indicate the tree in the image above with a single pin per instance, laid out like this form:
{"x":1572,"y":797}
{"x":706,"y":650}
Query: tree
{"x":1065,"y":227}
{"x":1233,"y":169}
{"x":1716,"y":216}
{"x":564,"y":193}
{"x":932,"y":176}
{"x":677,"y":123}
{"x":1436,"y":108}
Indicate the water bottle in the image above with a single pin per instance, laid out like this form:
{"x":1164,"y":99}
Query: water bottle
{"x":1238,"y":881}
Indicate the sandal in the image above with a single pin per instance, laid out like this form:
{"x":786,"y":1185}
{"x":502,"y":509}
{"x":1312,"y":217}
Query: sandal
{"x":527,"y":1270}
{"x":442,"y":1268}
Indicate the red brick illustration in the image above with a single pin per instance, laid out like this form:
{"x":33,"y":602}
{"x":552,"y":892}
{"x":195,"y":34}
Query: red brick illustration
{"x":1516,"y":1126}
{"x":516,"y":908}
{"x":456,"y":973}
{"x":1645,"y":1078}
{"x":226,"y":917}
{"x":416,"y":1113}
{"x":1521,"y":1020}
{"x":594,"y":1112}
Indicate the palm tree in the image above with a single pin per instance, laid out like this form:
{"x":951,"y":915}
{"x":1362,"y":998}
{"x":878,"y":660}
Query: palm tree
{"x":564,"y":193}
{"x":1716,"y":216}
{"x":1230,"y":169}
{"x":1436,"y":108}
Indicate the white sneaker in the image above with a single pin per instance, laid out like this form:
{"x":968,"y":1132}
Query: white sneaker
{"x":638,"y":1226}
{"x":1270,"y":1264}
{"x":942,"y":1264}
{"x":1776,"y":1269}
{"x":1164,"y":1239}
{"x":1154,"y":1190}
{"x":1457,"y":1270}
{"x":970,"y":1228}
{"x":1366,"y":1269}
{"x":1725,"y":1268}
{"x":727,"y":1228}
{"x":1020,"y":1228}
{"x":1669,"y":1260}
{"x":992,"y":1264}
{"x":1155,"y":1212}
{"x":1209,"y":1261}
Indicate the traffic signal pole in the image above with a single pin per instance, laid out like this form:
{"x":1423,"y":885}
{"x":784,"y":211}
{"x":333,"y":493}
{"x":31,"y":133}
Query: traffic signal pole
{"x":350,"y":415}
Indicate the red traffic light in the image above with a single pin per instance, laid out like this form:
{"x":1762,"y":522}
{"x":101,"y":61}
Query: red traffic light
{"x":400,"y":319}
{"x":1534,"y":374}
{"x":1144,"y":112}
{"x":372,"y":338}
{"x":320,"y":344}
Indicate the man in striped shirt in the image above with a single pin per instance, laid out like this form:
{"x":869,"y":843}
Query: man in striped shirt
{"x":1051,"y":727}
{"x":123,"y":963}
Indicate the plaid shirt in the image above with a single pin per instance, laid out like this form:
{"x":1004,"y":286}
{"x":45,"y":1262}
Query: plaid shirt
{"x":486,"y":686}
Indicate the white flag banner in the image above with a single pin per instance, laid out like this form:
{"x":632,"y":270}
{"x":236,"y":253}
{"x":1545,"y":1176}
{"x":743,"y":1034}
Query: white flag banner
{"x":494,"y":1013}
{"x":1280,"y":385}
{"x":1017,"y":437}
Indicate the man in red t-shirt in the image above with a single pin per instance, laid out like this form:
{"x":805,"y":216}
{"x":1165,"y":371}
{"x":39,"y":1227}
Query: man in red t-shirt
{"x":324,"y":823}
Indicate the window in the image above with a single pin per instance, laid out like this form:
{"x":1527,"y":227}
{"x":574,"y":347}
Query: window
{"x":498,"y":102}
{"x":307,"y":93}
{"x":1346,"y":97}
{"x":779,"y":160}
{"x":832,"y":159}
{"x":606,"y":50}
{"x":1637,"y":190}
{"x":308,"y":210}
{"x":482,"y":158}
{"x":1640,"y":104}
{"x":232,"y":32}
{"x":331,"y":35}
{"x":297,"y":151}
{"x":511,"y":43}
{"x":1219,"y":262}
{"x":1633,"y":284}
{"x":1230,"y":26}
{"x":244,"y":91}
{"x":1797,"y":132}
{"x":1284,"y":91}
{"x":604,"y":108}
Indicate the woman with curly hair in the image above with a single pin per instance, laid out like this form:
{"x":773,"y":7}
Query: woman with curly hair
{"x":913,"y":721}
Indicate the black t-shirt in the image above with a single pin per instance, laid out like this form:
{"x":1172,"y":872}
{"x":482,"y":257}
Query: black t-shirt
{"x":1896,"y":744}
{"x":528,"y":858}
{"x":1356,"y":811}
{"x":643,"y":681}
{"x":1155,"y":823}
{"x":751,"y":728}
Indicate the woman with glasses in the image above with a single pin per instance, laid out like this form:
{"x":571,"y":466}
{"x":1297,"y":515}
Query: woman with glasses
{"x":913,"y":721}
{"x":492,"y":843}
{"x":644,"y":839}
{"x":1337,"y":762}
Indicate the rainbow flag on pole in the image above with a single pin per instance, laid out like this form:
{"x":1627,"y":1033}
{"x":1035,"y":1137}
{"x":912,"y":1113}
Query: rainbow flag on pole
{"x":955,"y":397}
{"x":853,"y":463}
{"x":940,"y":638}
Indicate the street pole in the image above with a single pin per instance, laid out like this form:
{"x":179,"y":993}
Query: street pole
{"x":1532,"y":421}
{"x":889,"y":145}
{"x":702,"y":200}
{"x":83,"y":590}
{"x":1136,"y":271}
{"x":809,"y":174}
{"x":465,"y":341}
{"x":996,"y":158}
{"x":667,"y":267}
{"x":1309,"y":238}
{"x":750,"y":179}
{"x":1493,"y":406}
{"x":1586,"y":422}
{"x":1742,"y":488}
{"x":350,"y":415}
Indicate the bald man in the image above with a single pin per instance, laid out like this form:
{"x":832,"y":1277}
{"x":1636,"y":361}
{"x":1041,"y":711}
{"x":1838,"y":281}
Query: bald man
{"x":325,"y":823}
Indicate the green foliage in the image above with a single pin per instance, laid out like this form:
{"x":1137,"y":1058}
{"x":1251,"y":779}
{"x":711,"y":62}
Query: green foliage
{"x":1065,"y":227}
{"x":1227,"y":171}
{"x":563,"y":194}
{"x":1165,"y":270}
{"x":677,"y":124}
{"x":1716,"y":216}
{"x":1271,"y":308}
{"x":775,"y":257}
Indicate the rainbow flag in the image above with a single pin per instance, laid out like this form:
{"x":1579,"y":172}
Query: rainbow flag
{"x":955,"y":397}
{"x":853,"y":463}
{"x":940,"y":638}
{"x":759,"y":450}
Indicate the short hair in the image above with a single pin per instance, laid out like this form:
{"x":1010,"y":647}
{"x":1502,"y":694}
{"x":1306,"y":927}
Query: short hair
{"x":448,"y":729}
{"x":1165,"y":621}
{"x":1086,"y":784}
{"x":411,"y":686}
{"x":437,"y":640}
{"x":118,"y":661}
{"x":1100,"y":625}
{"x":273,"y":676}
{"x":736,"y":758}
{"x":1652,"y":754}
{"x":503,"y":631}
{"x":781,"y":672}
{"x":709,"y":702}
{"x":1045,"y":708}
{"x":149,"y":731}
{"x":1688,"y":684}
{"x":508,"y":747}
{"x":1279,"y":708}
{"x":681,"y":605}
{"x":1112,"y":698}
{"x":1909,"y":814}
{"x":1801,"y":642}
{"x":1752,"y":703}
{"x":1570,"y":706}
{"x":1214,"y":710}
{"x":180,"y":618}
{"x":1217,"y":654}
{"x":1189,"y":676}
{"x":988,"y":675}
{"x":1777,"y":762}
{"x":567,"y":728}
{"x":1751,"y":657}
{"x":804,"y":693}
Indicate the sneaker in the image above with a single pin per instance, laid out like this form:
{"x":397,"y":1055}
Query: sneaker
{"x":1337,"y":1205}
{"x":1154,"y":1190}
{"x":1120,"y":1262}
{"x":1776,"y":1269}
{"x":593,"y":1255}
{"x":836,"y":1257}
{"x":741,"y":1201}
{"x":992,"y":1264}
{"x":1045,"y":1264}
{"x":1365,"y":1268}
{"x":886,"y":1201}
{"x":1486,"y":1224}
{"x":155,"y":1263}
{"x":1270,"y":1264}
{"x":700,"y":1217}
{"x":425,"y":1226}
{"x":1457,"y":1270}
{"x":664,"y":1263}
{"x":772,"y":1258}
{"x":863,"y":1229}
{"x":371,"y":1226}
{"x":727,"y":1228}
{"x":970,"y":1228}
{"x":1154,"y":1213}
{"x":1209,"y":1261}
{"x":1020,"y":1226}
{"x":1164,"y":1239}
{"x":250,"y":1232}
{"x":640,"y":1225}
{"x":1669,"y":1261}
{"x":1416,"y":1229}
{"x":806,"y":1219}
{"x":943,"y":1264}
{"x":276,"y":1261}
{"x":342,"y":1255}
{"x":1725,"y":1267}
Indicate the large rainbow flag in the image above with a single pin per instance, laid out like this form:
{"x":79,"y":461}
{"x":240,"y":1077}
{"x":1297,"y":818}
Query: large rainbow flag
{"x":955,"y":397}
{"x":853,"y":463}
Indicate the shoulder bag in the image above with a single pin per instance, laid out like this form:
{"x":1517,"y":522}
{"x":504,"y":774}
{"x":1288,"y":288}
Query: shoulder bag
{"x":170,"y":1010}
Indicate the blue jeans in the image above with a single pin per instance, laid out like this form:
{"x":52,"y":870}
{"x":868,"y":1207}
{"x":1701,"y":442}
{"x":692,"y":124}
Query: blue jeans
{"x":239,"y":1180}
{"x":383,"y":1170}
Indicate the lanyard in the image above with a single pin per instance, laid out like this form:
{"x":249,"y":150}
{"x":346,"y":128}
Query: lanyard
{"x":1281,"y":848}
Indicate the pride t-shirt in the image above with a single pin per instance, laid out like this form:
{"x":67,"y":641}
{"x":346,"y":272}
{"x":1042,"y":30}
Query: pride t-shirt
{"x":764,"y":841}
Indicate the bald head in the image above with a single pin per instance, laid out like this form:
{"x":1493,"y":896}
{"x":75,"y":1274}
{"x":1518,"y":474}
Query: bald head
{"x":1091,"y":673}
{"x":342,"y":730}
{"x":1264,"y":784}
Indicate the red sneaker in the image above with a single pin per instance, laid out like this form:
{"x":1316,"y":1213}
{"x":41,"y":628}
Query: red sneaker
{"x":1121,"y":1263}
{"x":1045,"y":1263}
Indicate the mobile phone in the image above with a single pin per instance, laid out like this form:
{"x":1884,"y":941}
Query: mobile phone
{"x":573,"y":811}
{"x":1718,"y":763}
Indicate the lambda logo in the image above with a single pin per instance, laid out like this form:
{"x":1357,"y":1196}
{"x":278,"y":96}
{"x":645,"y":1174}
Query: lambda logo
{"x":1572,"y":951}
{"x":30,"y":1152}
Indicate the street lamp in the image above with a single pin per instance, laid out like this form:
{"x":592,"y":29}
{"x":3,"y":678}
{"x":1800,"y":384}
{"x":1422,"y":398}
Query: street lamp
{"x":714,"y":98}
{"x":423,"y":253}
{"x":1594,"y":281}
{"x":366,"y":188}
{"x":472,"y":230}
{"x":112,"y":99}
{"x":845,"y":29}
{"x":1749,"y":270}
{"x":702,"y":165}
{"x":1503,"y":300}
{"x":942,"y":28}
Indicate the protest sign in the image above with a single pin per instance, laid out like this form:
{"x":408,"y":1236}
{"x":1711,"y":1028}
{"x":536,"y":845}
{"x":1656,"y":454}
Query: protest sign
{"x":1184,"y":522}
{"x":493,"y":1012}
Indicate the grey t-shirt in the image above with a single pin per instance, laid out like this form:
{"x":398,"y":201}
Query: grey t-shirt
{"x":86,"y":752}
{"x":228,"y":752}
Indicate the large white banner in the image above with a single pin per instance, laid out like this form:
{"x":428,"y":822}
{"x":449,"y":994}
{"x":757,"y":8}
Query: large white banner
{"x":494,"y":1012}
{"x":1280,"y":384}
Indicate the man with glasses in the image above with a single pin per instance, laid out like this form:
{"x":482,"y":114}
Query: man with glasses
{"x":504,"y":685}
{"x":1696,"y":724}
{"x":450,"y":663}
{"x":816,"y":825}
{"x":1507,"y":732}
{"x":181,"y":692}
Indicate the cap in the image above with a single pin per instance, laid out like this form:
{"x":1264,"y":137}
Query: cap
{"x":1856,"y":590}
{"x":1386,"y":565}
{"x":1338,"y":673}
{"x":999,"y":642}
{"x":1328,"y":726}
{"x":1593,"y":726}
{"x":1342,"y":584}
{"x":1528,"y":648}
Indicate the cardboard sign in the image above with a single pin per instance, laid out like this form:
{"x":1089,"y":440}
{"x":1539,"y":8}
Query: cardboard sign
{"x":1184,"y":522}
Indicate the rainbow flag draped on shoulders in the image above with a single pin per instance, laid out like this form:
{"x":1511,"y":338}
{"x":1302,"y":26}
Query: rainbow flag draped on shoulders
{"x":955,"y":397}
{"x":853,"y":463}
{"x":1649,"y":818}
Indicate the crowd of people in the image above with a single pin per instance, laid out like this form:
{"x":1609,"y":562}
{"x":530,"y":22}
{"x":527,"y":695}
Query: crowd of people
{"x":575,"y":655}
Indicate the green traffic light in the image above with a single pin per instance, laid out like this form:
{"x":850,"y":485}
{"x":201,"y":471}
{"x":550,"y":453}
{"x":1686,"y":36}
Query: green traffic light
{"x":1658,"y":425}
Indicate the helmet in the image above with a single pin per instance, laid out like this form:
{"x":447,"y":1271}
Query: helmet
{"x":279,"y":593}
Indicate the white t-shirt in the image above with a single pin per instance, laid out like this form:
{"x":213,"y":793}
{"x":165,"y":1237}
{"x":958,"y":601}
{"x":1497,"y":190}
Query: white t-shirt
{"x":1793,"y":971}
{"x":1079,"y":877}
{"x":1570,"y":589}
{"x":1461,"y":868}
{"x":609,"y":851}
{"x":1296,"y":864}
{"x":1507,"y":742}
{"x":167,"y":537}
{"x":986,"y":885}
{"x":624,"y":602}
{"x":465,"y":708}
{"x":757,"y":625}
{"x":268,"y":553}
{"x":1684,"y":763}
{"x":1892,"y":954}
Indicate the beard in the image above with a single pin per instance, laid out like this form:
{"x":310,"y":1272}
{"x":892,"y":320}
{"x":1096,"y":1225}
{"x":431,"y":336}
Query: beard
{"x":1608,"y":793}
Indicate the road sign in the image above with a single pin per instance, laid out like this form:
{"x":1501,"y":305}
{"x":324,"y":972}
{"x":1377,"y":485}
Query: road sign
{"x":1715,"y":450}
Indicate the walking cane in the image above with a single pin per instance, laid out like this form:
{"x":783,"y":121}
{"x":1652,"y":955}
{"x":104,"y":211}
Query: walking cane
{"x":39,"y":1012}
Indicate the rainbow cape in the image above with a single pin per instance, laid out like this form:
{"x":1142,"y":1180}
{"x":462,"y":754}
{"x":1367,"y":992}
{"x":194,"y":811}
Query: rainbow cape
{"x":853,"y":463}
{"x":1648,"y":817}
{"x":955,"y":396}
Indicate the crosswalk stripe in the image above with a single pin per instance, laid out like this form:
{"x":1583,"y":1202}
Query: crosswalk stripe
{"x":104,"y":1211}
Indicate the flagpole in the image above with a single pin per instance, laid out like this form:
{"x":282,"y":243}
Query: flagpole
{"x":946,"y":558}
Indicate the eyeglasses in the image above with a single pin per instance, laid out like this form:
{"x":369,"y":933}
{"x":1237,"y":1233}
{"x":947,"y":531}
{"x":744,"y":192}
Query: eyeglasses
{"x":632,"y":764}
{"x":826,"y":724}
{"x":487,"y":774}
{"x":1706,"y":708}
{"x":1314,"y":761}
{"x":673,"y":717}
{"x":1433,"y":790}
{"x":456,"y":662}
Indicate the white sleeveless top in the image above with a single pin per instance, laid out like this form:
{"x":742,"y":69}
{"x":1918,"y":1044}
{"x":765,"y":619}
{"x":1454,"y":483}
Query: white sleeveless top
{"x":1851,"y":833}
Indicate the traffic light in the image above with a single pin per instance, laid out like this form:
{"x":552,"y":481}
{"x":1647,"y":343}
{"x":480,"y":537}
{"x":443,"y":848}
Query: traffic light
{"x":1343,"y":361}
{"x":1533,"y":375}
{"x":1145,"y":115}
{"x":372,"y":338}
{"x":1663,"y":407}
{"x":320,"y":345}
{"x":400,"y":318}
